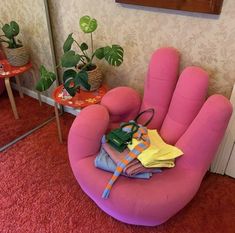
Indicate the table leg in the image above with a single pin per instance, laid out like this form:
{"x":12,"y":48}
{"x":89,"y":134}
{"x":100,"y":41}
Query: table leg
{"x":11,"y":98}
{"x":39,"y":98}
{"x":58,"y":123}
{"x":35,"y":81}
{"x":19,"y":86}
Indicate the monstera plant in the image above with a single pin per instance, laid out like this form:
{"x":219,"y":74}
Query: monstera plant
{"x":79,"y":66}
{"x":16,"y":53}
{"x":10,"y":31}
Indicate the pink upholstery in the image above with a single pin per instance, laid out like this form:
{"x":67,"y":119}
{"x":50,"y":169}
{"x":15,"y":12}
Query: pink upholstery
{"x":188,"y":98}
{"x":160,"y":83}
{"x":121,"y":109}
{"x":183,"y":117}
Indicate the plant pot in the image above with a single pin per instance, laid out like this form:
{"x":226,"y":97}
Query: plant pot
{"x":95,"y":78}
{"x":18,"y":56}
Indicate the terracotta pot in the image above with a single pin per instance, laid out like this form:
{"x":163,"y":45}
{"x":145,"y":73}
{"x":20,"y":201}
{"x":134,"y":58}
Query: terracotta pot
{"x":18,"y":56}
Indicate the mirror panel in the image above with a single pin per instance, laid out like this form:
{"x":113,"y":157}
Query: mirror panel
{"x":35,"y":35}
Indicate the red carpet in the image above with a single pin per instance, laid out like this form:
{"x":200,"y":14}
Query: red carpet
{"x":38,"y":193}
{"x":30,"y":112}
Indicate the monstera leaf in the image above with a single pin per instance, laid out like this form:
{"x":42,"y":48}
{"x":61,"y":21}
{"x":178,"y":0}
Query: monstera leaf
{"x":69,"y":83}
{"x":68,"y":43}
{"x":84,"y":46}
{"x":114,"y":55}
{"x":70,"y":59}
{"x":82,"y":79}
{"x":47,"y":78}
{"x":87,"y":24}
{"x":11,"y":30}
{"x":73,"y":80}
{"x":99,"y":53}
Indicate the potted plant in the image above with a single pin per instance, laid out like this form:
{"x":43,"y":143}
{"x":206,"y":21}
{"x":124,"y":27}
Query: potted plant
{"x":16,"y":53}
{"x":80,"y":70}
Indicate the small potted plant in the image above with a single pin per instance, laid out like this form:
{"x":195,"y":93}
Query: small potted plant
{"x":16,"y":53}
{"x":80,"y":70}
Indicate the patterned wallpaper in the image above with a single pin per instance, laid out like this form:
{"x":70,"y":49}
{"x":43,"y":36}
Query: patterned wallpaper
{"x":203,"y":40}
{"x":31,"y":17}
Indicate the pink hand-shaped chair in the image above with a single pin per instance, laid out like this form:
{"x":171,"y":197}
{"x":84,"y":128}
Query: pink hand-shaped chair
{"x":183,"y":117}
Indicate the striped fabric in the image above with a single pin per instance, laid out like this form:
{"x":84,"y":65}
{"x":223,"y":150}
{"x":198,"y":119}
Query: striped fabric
{"x":141,"y":134}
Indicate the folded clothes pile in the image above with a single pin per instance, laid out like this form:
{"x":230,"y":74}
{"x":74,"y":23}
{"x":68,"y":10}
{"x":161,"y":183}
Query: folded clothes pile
{"x":104,"y":162}
{"x":158,"y":155}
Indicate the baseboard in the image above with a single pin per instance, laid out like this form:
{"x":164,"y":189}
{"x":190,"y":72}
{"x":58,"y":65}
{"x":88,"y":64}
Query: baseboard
{"x":45,"y":99}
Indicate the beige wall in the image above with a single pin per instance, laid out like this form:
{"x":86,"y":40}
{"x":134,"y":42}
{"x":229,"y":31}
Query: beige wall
{"x":204,"y":40}
{"x":31,"y":17}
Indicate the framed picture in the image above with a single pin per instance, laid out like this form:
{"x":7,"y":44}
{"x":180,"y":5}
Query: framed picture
{"x":203,"y":6}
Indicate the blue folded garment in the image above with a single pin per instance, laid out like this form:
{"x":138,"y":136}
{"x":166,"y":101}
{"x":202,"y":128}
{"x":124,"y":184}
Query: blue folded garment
{"x":103,"y":161}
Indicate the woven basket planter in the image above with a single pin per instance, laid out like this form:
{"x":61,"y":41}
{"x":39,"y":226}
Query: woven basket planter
{"x":18,"y":56}
{"x":95,"y":78}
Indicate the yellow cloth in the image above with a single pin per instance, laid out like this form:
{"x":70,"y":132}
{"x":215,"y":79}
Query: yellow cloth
{"x":159,"y":154}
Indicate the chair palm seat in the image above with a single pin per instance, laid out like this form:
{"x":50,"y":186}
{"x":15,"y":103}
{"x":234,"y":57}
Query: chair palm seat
{"x":146,"y":200}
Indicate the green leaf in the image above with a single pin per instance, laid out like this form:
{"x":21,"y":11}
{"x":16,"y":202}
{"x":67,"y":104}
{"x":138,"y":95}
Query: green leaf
{"x":15,"y":28}
{"x":68,"y":43}
{"x":68,"y":78}
{"x":46,"y":79}
{"x":82,"y":79}
{"x":99,"y":53}
{"x":7,"y":31}
{"x":69,"y":86}
{"x":70,"y":59}
{"x":84,"y":46}
{"x":11,"y":30}
{"x":114,"y":55}
{"x":87,"y":24}
{"x":69,"y":74}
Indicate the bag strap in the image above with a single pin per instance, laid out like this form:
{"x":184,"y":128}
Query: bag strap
{"x":151,"y":110}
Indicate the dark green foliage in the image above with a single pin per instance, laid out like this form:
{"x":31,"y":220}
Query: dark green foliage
{"x":114,"y":55}
{"x":70,"y":59}
{"x":68,"y":43}
{"x":83,"y":59}
{"x":47,"y":78}
{"x":10,"y":31}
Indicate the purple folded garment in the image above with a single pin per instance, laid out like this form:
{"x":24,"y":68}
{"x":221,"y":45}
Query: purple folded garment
{"x":115,"y":155}
{"x":134,"y":167}
{"x":137,"y":168}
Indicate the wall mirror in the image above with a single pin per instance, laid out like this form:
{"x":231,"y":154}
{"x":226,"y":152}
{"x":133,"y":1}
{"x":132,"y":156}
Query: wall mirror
{"x":203,"y":6}
{"x":35,"y":34}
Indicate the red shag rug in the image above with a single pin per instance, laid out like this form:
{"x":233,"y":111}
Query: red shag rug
{"x":38,"y":193}
{"x":30,"y":112}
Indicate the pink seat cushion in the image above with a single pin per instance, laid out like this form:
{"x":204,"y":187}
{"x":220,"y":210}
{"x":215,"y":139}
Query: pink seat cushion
{"x":137,"y":201}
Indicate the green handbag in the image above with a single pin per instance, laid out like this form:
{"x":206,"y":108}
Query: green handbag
{"x":119,"y":139}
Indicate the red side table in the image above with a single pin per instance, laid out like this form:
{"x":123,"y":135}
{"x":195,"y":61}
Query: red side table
{"x":6,"y":72}
{"x":79,"y":101}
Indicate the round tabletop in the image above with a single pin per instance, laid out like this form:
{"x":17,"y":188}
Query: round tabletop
{"x":7,"y":70}
{"x":81,"y":99}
